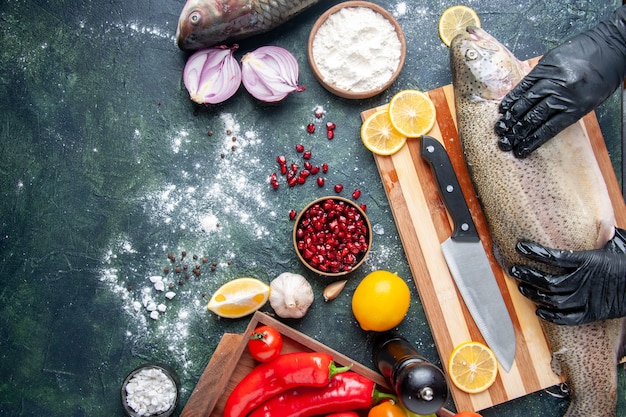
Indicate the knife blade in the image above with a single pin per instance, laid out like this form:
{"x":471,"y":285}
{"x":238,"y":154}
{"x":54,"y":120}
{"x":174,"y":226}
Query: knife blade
{"x":468,"y":262}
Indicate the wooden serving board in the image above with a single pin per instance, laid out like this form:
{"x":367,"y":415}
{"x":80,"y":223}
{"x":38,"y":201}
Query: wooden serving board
{"x":423,"y":223}
{"x":231,"y":362}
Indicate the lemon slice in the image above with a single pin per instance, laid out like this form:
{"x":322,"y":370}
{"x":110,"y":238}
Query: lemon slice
{"x":454,"y":20}
{"x":412,"y":113}
{"x":239,"y":297}
{"x":379,"y":136}
{"x":472,"y":367}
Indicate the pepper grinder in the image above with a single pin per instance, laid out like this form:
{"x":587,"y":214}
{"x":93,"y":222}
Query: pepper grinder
{"x":421,"y":387}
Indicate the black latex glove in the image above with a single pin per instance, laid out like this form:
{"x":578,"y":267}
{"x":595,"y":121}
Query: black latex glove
{"x":567,"y":83}
{"x":594,"y":288}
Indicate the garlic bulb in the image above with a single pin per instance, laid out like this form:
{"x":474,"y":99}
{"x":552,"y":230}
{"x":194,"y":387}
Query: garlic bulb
{"x":291,"y":295}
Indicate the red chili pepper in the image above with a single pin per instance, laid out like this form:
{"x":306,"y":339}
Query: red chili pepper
{"x":345,"y":392}
{"x":343,"y":414}
{"x":285,"y":372}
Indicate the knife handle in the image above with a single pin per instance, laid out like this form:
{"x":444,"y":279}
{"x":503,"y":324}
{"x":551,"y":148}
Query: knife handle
{"x":437,"y":156}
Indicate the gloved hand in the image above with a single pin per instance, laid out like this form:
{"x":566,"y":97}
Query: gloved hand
{"x":594,"y":288}
{"x":567,"y":83}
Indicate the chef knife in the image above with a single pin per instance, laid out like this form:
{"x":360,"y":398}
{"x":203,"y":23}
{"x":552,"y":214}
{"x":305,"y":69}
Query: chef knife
{"x":468,"y":262}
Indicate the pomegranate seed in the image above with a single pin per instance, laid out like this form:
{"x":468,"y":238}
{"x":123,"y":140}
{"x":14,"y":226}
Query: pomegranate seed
{"x":294,"y":167}
{"x":299,"y":148}
{"x":356,"y":194}
{"x":304,"y":173}
{"x":306,"y":155}
{"x":319,"y":112}
{"x":292,"y":214}
{"x":324,"y":168}
{"x":314,"y":170}
{"x":338,"y":188}
{"x":275,"y":185}
{"x":292,"y":181}
{"x":310,"y":128}
{"x":301,"y":180}
{"x":273,"y":177}
{"x":281,"y":160}
{"x":320,"y":181}
{"x":330,"y":126}
{"x":283,"y":169}
{"x":308,"y":165}
{"x":330,"y":134}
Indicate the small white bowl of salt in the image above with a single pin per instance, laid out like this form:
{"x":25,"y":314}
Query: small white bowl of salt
{"x":356,"y":49}
{"x":151,"y":390}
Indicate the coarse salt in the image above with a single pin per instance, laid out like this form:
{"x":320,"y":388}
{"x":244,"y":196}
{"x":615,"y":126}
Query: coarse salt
{"x":356,"y":49}
{"x":150,"y":391}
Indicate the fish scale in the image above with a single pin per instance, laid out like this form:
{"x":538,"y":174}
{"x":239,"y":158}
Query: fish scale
{"x":556,"y":197}
{"x":225,"y":21}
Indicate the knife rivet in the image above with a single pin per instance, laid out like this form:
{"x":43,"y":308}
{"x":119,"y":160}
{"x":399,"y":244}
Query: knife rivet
{"x":465,"y":227}
{"x":449,"y":188}
{"x":430,"y":148}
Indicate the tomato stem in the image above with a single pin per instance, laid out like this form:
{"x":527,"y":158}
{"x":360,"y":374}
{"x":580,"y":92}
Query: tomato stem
{"x":258,"y":336}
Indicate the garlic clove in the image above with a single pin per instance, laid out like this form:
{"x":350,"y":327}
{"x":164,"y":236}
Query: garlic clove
{"x":333,"y":290}
{"x":212,"y":75}
{"x":270,"y":73}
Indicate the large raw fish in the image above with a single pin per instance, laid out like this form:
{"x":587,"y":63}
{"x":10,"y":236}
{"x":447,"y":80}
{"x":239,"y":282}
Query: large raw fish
{"x":204,"y":23}
{"x":556,"y":197}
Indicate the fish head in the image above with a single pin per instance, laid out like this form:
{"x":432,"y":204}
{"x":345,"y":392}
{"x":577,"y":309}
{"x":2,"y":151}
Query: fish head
{"x":205,"y":23}
{"x":483,"y":68}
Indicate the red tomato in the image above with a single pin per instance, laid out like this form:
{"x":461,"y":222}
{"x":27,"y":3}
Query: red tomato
{"x":386,"y":409}
{"x":467,"y":414}
{"x":265,"y":343}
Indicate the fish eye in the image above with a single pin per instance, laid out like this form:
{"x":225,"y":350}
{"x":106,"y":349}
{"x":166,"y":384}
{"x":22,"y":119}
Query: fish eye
{"x":195,"y":18}
{"x":471,"y":54}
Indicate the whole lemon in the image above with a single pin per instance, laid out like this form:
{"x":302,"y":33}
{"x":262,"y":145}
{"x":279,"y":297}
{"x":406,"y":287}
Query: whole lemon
{"x":380,"y":301}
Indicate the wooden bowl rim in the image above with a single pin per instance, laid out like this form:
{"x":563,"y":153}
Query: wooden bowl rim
{"x":347,"y":93}
{"x":369,"y":233}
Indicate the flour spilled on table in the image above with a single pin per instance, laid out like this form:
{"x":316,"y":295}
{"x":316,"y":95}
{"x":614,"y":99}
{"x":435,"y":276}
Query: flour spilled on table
{"x":190,"y":213}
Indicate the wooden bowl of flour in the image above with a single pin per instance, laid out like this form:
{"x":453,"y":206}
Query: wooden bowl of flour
{"x":356,"y":49}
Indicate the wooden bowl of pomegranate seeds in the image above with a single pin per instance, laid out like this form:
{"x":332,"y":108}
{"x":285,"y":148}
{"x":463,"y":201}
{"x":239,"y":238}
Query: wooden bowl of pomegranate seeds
{"x":332,"y":236}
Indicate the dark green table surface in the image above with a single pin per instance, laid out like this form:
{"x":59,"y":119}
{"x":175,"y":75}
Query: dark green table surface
{"x":106,"y":166}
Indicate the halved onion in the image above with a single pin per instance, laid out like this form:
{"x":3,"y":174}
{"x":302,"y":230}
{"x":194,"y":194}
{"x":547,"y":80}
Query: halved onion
{"x":212,"y":75}
{"x":270,"y":73}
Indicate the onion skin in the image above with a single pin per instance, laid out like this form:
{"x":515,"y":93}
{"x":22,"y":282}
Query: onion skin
{"x":270,"y":73}
{"x":212,"y":75}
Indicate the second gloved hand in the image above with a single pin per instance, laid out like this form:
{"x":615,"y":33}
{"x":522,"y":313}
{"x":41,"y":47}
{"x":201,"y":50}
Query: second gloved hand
{"x":567,"y":83}
{"x":592,"y":289}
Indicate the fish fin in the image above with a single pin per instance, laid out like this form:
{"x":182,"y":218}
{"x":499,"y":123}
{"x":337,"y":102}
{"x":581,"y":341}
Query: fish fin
{"x":555,"y":363}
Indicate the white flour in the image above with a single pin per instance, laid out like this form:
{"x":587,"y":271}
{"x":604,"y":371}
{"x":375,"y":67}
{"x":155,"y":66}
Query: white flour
{"x":356,"y":49}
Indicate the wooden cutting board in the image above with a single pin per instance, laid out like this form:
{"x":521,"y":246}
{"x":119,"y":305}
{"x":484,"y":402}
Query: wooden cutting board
{"x":423,"y":223}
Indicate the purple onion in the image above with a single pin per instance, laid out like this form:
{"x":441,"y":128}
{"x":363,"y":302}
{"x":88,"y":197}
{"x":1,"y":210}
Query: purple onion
{"x":270,"y":73}
{"x":212,"y":75}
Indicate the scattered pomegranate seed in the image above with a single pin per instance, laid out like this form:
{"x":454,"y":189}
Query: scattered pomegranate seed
{"x":292,"y":214}
{"x":292,"y":181}
{"x":319,"y":112}
{"x":305,"y":173}
{"x":275,"y":185}
{"x":330,"y":126}
{"x":301,"y":180}
{"x":310,"y":128}
{"x":320,"y":181}
{"x":306,"y":155}
{"x":314,"y":170}
{"x":332,"y":236}
{"x":356,"y":194}
{"x":324,"y":168}
{"x":308,"y":165}
{"x":363,"y":207}
{"x":299,"y":148}
{"x":283,"y":169}
{"x":281,"y":160}
{"x":330,"y":134}
{"x":338,"y":188}
{"x":294,"y":167}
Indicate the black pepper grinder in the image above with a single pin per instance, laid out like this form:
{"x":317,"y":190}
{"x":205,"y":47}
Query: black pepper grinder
{"x":421,"y":387}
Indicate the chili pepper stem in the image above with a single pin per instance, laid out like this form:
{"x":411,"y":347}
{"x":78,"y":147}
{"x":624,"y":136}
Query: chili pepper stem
{"x":378,"y":396}
{"x":334,"y":369}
